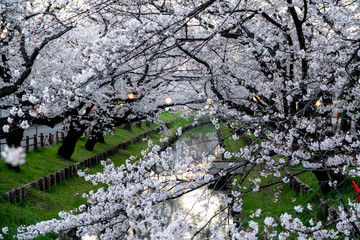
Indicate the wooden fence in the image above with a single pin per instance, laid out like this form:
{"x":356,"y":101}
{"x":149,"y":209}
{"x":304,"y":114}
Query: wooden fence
{"x":42,"y":140}
{"x":44,"y":183}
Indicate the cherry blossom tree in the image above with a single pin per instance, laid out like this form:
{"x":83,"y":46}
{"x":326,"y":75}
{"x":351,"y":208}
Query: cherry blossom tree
{"x":285,"y":72}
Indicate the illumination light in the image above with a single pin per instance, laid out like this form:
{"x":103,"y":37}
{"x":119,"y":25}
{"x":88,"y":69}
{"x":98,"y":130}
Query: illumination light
{"x":131,"y":96}
{"x":255,"y":99}
{"x":146,"y":107}
{"x":38,"y":110}
{"x":206,"y":107}
{"x":318,"y":103}
{"x":186,"y":108}
{"x":84,"y":111}
{"x":209,"y":101}
{"x":168,"y":100}
{"x":89,"y":237}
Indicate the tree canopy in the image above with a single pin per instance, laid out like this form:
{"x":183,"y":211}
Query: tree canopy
{"x":285,"y":72}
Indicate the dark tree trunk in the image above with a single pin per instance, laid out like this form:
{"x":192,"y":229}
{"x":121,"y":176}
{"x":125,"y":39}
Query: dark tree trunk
{"x":323,"y":179}
{"x":75,"y":132}
{"x":95,"y":137}
{"x":15,"y":168}
{"x":15,"y":137}
{"x":127,"y":126}
{"x":14,"y":140}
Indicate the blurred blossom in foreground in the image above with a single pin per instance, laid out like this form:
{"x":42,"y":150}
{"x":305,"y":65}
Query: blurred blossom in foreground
{"x":14,"y":156}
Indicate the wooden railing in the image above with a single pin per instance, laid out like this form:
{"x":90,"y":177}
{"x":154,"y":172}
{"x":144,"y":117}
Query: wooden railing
{"x":42,"y":140}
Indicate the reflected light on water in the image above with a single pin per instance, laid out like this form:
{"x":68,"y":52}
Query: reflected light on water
{"x":199,"y":211}
{"x":88,"y":237}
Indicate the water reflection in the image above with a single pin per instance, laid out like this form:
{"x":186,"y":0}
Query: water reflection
{"x":201,"y":206}
{"x":88,"y":237}
{"x":205,"y":142}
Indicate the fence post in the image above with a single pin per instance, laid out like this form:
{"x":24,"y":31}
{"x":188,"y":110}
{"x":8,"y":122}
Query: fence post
{"x":56,"y":136}
{"x":41,"y":139}
{"x":27,"y":143}
{"x":35,"y":142}
{"x":50,"y":139}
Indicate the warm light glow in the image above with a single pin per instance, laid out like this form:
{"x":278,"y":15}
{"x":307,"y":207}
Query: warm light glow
{"x":209,"y":101}
{"x":84,"y":111}
{"x":207,"y":107}
{"x":93,"y":108}
{"x":168,"y":100}
{"x":146,"y":107}
{"x":121,"y":105}
{"x":89,"y":237}
{"x":255,"y":99}
{"x":318,"y":103}
{"x":186,"y":108}
{"x":38,"y":110}
{"x":333,"y":102}
{"x":131,"y":96}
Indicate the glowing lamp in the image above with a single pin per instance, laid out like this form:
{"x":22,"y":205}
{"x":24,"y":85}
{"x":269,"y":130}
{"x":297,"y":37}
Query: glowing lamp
{"x":93,"y":108}
{"x":318,"y":103}
{"x":121,"y":105}
{"x":131,"y":96}
{"x":207,"y":107}
{"x":146,"y":107}
{"x":84,"y":111}
{"x":333,"y":102}
{"x":38,"y":110}
{"x":168,"y":100}
{"x":186,"y":108}
{"x":209,"y":101}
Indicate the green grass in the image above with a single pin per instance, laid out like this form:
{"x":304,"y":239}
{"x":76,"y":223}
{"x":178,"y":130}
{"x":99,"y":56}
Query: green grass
{"x":43,"y":205}
{"x":231,"y":145}
{"x":199,"y":130}
{"x":272,"y":205}
{"x":309,"y":178}
{"x":265,"y":198}
{"x":45,"y":160}
{"x":40,"y":205}
{"x":168,"y":116}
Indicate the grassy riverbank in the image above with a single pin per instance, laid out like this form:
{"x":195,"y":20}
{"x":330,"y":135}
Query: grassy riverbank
{"x":42,"y":205}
